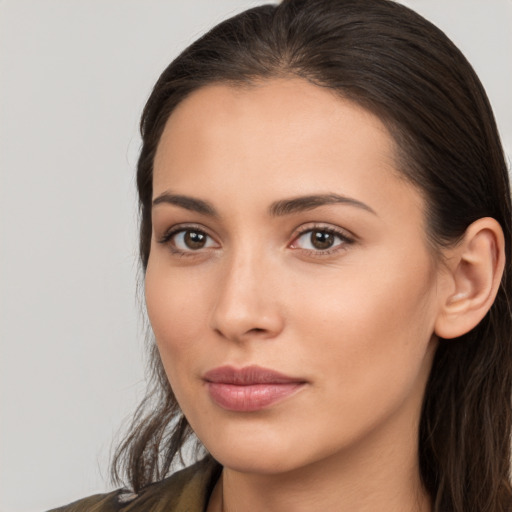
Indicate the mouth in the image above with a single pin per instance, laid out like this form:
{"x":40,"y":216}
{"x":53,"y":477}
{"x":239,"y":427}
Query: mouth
{"x":249,"y":389}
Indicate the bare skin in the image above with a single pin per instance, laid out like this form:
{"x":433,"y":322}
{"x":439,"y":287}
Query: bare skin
{"x":340,"y":292}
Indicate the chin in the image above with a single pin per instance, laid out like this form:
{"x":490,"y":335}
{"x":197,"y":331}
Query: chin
{"x":264,"y":454}
{"x":260,"y":462}
{"x":254,"y":454}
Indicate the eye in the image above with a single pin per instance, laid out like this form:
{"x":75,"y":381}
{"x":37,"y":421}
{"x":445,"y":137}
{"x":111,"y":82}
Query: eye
{"x":188,"y":240}
{"x":320,"y":240}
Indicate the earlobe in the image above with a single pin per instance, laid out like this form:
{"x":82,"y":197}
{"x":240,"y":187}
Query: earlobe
{"x":475,"y":268}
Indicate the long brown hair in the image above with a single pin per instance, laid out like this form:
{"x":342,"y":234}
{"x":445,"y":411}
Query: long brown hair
{"x":391,"y":61}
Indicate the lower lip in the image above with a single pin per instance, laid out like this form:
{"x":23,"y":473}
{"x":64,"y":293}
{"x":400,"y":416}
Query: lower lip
{"x":249,"y":398}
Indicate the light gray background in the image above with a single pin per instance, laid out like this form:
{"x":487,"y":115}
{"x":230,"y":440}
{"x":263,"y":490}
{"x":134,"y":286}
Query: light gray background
{"x":74,"y":76}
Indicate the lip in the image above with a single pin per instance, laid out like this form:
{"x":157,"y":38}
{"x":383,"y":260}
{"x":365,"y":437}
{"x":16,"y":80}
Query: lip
{"x":249,"y":389}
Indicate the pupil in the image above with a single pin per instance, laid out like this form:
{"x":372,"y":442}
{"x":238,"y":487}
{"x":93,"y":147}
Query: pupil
{"x":321,"y":239}
{"x":195,"y":240}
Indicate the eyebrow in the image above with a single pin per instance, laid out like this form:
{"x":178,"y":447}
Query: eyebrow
{"x":189,"y":203}
{"x":304,"y":203}
{"x":277,"y":209}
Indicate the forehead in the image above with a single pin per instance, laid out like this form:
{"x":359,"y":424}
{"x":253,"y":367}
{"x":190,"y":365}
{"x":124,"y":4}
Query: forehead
{"x":243,"y":147}
{"x":269,"y":124}
{"x":293,"y":105}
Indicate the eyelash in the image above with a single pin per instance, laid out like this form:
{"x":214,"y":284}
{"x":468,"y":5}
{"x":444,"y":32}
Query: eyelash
{"x":166,"y":239}
{"x":341,"y":235}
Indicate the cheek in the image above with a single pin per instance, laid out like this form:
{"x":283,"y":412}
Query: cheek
{"x":370,"y":332}
{"x":176,"y":306}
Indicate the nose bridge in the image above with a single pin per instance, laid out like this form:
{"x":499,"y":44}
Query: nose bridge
{"x":245,"y":304}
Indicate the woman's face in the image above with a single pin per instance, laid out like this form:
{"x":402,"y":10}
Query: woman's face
{"x":289,"y":286}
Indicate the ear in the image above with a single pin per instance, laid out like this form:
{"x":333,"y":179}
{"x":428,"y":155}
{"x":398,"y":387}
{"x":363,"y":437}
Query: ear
{"x":475,"y":267}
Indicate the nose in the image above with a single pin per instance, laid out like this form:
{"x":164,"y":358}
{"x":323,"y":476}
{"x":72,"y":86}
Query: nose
{"x":247,"y":304}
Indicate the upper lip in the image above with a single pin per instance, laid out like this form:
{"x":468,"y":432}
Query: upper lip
{"x":249,"y":375}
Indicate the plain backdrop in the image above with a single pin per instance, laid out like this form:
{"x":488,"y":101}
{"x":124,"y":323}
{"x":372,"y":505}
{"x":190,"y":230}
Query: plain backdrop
{"x":74,"y":76}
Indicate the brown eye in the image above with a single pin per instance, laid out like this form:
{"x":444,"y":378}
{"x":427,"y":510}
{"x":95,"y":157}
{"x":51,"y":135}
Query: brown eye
{"x":322,"y":239}
{"x":187,"y":240}
{"x":195,"y":239}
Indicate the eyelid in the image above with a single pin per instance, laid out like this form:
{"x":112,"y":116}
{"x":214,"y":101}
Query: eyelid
{"x":168,"y":235}
{"x":346,"y":237}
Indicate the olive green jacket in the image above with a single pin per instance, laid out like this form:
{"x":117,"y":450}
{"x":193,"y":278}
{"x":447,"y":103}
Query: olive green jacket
{"x":185,"y":491}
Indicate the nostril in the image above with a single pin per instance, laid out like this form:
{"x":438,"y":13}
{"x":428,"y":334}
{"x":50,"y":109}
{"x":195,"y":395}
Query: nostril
{"x":256,"y":330}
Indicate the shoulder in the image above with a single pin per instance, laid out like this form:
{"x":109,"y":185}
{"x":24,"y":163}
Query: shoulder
{"x":97,"y":503}
{"x":187,"y":490}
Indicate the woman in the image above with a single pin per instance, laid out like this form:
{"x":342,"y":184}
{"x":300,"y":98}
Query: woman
{"x":325,"y":238}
